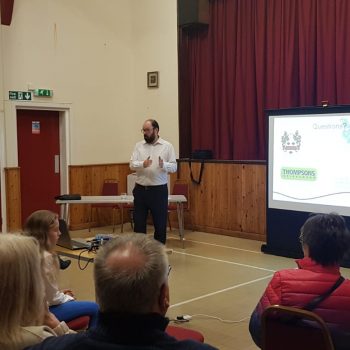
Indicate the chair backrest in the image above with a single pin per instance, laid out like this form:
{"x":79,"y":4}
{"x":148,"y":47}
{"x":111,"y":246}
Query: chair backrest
{"x":182,"y":188}
{"x":110,"y":188}
{"x":289,"y":328}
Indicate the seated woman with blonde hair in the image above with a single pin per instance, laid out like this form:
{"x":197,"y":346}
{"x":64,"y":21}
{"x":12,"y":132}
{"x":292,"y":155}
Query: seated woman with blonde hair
{"x":24,"y":316}
{"x":44,"y":226}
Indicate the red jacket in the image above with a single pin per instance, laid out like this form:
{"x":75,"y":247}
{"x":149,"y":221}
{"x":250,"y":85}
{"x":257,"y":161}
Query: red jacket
{"x":297,"y":287}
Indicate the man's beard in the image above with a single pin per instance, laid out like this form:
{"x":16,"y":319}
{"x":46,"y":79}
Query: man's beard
{"x":150,"y":138}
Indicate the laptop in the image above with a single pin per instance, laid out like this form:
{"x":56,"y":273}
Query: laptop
{"x":66,"y":241}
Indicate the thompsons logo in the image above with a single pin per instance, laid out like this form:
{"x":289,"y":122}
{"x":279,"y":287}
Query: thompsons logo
{"x":291,"y":142}
{"x":305,"y":174}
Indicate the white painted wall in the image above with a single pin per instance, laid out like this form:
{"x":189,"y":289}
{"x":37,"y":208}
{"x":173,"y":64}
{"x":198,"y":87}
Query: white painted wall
{"x":155,"y":49}
{"x":95,"y":55}
{"x":1,"y":76}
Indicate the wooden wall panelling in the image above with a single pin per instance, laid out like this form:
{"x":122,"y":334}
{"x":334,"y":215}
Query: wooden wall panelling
{"x":203,"y":198}
{"x":219,"y":196}
{"x":254,"y":197}
{"x":99,"y":174}
{"x":80,"y":181}
{"x":117,"y":172}
{"x":230,"y":199}
{"x":196,"y":194}
{"x":227,"y":193}
{"x":88,"y":180}
{"x":123,"y":172}
{"x":187,"y":213}
{"x":173,"y":178}
{"x":13,"y":199}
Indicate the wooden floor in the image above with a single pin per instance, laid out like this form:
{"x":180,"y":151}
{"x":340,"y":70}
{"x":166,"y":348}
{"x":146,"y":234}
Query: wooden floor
{"x":215,"y":279}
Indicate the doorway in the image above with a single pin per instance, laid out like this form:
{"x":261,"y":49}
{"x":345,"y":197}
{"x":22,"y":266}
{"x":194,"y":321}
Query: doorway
{"x":2,"y":177}
{"x":39,"y":159}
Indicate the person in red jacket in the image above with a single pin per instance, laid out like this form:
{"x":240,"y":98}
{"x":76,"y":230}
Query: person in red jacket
{"x":325,"y":241}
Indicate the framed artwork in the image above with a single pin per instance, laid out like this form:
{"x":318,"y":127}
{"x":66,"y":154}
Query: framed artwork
{"x":152,"y":79}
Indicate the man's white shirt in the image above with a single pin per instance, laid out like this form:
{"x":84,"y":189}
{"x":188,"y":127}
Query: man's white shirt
{"x":153,"y":175}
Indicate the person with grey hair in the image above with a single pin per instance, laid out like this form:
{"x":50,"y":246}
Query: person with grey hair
{"x":316,"y":284}
{"x":131,"y":284}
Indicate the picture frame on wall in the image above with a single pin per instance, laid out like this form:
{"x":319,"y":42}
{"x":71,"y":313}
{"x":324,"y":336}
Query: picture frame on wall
{"x":153,"y":79}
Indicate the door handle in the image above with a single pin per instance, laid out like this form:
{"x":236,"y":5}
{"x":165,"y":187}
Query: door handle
{"x":57,"y":163}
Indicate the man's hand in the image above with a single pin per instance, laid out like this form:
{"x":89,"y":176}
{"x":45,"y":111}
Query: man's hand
{"x":147,"y":163}
{"x":161,"y":162}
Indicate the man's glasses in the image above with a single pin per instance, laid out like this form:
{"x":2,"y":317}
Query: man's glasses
{"x":146,"y":130}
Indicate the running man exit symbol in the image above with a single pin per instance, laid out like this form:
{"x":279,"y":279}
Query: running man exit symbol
{"x":20,"y":95}
{"x":43,"y":92}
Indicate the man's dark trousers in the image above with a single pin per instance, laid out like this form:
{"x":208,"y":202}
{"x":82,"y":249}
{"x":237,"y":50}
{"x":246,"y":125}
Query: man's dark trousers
{"x":154,"y":199}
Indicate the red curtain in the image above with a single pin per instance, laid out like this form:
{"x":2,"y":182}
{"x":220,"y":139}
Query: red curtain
{"x":6,"y":8}
{"x":257,"y":55}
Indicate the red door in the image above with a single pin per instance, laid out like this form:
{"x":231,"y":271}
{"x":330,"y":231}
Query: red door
{"x":0,"y":207}
{"x":38,"y":159}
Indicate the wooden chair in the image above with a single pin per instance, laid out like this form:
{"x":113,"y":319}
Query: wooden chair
{"x":179,"y":188}
{"x":109,"y":188}
{"x":289,"y":328}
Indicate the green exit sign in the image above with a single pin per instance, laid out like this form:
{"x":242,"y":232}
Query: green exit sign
{"x":43,"y":93}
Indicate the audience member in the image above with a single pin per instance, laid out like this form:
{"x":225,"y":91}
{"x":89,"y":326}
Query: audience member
{"x":325,"y":240}
{"x":131,"y":283}
{"x":24,"y":316}
{"x":44,"y":226}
